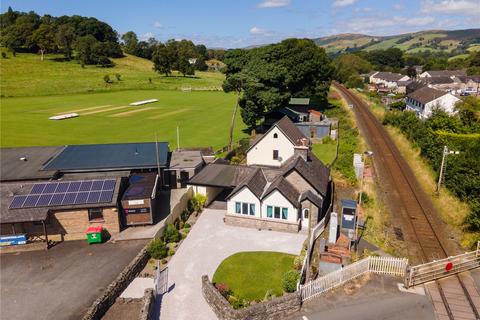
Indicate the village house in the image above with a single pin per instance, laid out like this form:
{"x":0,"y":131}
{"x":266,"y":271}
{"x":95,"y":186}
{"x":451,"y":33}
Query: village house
{"x":284,"y":186}
{"x":442,"y":73}
{"x":387,"y":80}
{"x":424,"y":100}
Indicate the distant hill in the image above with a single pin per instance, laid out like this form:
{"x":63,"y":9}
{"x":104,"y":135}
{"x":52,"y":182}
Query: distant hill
{"x":433,"y":40}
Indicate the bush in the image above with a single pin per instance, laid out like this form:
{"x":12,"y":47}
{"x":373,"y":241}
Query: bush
{"x":289,"y":281}
{"x":171,"y":252}
{"x":298,"y":262}
{"x":187,"y":226}
{"x":184,"y":215}
{"x":238,"y":303}
{"x":118,"y":76}
{"x":157,"y":249}
{"x":171,"y":234}
{"x":196,"y":203}
{"x":4,"y":55}
{"x":107,"y":79}
{"x":181,"y":224}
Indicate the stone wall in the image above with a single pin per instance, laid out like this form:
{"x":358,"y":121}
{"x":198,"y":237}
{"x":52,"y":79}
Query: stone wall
{"x":148,"y":302}
{"x":276,"y":308}
{"x":113,"y":291}
{"x":256,"y":223}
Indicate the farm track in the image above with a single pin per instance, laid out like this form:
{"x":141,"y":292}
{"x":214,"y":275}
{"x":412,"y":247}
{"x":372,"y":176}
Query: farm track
{"x":424,"y":232}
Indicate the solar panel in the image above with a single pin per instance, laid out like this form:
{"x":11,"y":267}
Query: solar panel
{"x":69,"y":198}
{"x":44,"y":200}
{"x":66,"y":193}
{"x":38,"y":188}
{"x":62,"y":187}
{"x":109,"y":185}
{"x":50,"y":188}
{"x":74,"y":186}
{"x":57,"y":199}
{"x":105,"y":196}
{"x":97,"y":185}
{"x":81,"y":198}
{"x":31,"y":201}
{"x":86,"y":186}
{"x":17,"y":202}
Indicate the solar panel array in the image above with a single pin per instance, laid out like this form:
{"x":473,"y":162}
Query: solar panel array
{"x":66,"y":193}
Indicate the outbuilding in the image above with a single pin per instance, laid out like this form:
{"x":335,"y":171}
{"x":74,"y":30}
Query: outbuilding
{"x":140,"y":202}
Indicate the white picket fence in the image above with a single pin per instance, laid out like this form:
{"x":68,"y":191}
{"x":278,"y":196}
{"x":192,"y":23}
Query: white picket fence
{"x":381,"y":265}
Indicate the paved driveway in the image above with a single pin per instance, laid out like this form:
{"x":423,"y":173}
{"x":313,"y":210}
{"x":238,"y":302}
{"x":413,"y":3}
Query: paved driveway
{"x":207,"y":245}
{"x":60,"y":283}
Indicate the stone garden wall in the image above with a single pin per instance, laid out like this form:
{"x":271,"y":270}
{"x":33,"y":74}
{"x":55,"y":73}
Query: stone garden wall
{"x":276,"y":308}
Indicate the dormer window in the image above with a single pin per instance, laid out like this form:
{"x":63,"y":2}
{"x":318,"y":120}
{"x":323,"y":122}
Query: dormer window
{"x":275,"y":135}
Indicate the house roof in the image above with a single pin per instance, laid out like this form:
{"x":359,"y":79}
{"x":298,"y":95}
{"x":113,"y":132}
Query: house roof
{"x":9,"y":190}
{"x":426,"y":94}
{"x":255,"y":182}
{"x":221,"y":175}
{"x":389,"y":76}
{"x":299,"y":101}
{"x":116,"y":156}
{"x":285,"y":188}
{"x":439,"y":80}
{"x":14,"y":169}
{"x":281,"y":112}
{"x":309,"y":195}
{"x":288,"y":128}
{"x":465,"y":79}
{"x":446,"y":73}
{"x":186,"y":159}
{"x":314,"y":171}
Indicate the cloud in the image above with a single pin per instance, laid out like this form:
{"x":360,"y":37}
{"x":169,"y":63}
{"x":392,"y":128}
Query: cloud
{"x":157,"y":24}
{"x":462,"y":7}
{"x":260,"y":32}
{"x":147,"y":36}
{"x":383,"y":24}
{"x":273,"y":4}
{"x":399,"y":6}
{"x":343,"y":3}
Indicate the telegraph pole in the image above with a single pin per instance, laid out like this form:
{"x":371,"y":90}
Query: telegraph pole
{"x":443,"y":167}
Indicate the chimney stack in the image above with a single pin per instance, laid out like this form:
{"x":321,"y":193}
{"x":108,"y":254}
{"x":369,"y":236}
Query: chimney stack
{"x":302,"y":149}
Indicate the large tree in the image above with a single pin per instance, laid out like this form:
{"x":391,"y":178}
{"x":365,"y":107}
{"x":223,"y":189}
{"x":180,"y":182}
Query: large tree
{"x":130,"y":42}
{"x":292,"y":68}
{"x":44,"y":38}
{"x":65,"y":38}
{"x":164,"y":58}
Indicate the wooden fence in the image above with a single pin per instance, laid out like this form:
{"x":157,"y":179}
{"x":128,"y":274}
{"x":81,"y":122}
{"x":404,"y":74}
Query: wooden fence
{"x":381,"y":265}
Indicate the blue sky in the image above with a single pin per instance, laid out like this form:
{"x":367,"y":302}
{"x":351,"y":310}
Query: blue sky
{"x":240,"y":23}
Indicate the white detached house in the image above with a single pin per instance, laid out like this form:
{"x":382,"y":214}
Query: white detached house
{"x":424,"y":100}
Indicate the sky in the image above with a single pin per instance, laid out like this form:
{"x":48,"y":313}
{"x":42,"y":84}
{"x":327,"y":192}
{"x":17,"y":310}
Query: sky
{"x":242,"y":23}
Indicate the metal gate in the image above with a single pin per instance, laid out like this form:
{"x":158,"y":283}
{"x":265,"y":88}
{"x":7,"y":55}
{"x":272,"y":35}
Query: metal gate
{"x":442,"y":268}
{"x":161,"y":280}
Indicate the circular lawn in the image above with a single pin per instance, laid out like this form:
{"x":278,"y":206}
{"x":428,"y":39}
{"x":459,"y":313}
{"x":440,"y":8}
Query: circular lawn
{"x":251,"y":274}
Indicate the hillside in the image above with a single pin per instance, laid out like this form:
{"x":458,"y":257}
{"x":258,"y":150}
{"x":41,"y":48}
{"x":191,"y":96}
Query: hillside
{"x":27,"y":75}
{"x":434,"y":40}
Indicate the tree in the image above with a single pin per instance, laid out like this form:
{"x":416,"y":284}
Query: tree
{"x":349,"y":65}
{"x":65,"y":38}
{"x":85,"y":49}
{"x":44,"y":38}
{"x":130,"y":42}
{"x":185,"y":51}
{"x":163,"y":59}
{"x":411,"y":72}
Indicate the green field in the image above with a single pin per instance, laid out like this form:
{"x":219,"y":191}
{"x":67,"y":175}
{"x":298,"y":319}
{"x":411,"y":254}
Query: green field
{"x":26,"y":75}
{"x":203,"y":118}
{"x":325,"y":151}
{"x":251,"y":274}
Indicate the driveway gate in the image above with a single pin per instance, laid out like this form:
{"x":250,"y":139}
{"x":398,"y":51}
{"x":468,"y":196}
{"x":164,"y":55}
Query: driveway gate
{"x":442,"y":268}
{"x":161,"y":280}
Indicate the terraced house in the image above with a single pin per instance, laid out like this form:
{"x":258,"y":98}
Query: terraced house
{"x":284,"y":187}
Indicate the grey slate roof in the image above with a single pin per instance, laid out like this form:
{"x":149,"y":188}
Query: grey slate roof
{"x":186,"y":159}
{"x":389,"y":76}
{"x":221,"y":175}
{"x":9,"y":190}
{"x":291,"y":131}
{"x":256,"y":182}
{"x":116,"y":156}
{"x":14,"y":169}
{"x":447,"y":73}
{"x":309,"y":195}
{"x":285,"y":188}
{"x":426,"y":94}
{"x":439,"y":80}
{"x":314,"y":171}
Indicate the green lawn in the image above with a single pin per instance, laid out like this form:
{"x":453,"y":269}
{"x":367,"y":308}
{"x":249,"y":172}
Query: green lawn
{"x":325,"y":151}
{"x":203,"y":117}
{"x":26,"y":75}
{"x":251,"y":274}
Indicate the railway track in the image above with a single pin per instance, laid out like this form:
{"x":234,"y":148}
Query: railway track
{"x":424,"y":233}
